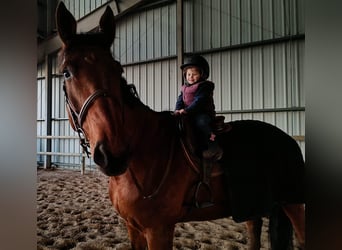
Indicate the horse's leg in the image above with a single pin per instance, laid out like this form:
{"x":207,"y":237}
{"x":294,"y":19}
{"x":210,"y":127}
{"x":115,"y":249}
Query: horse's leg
{"x":138,"y":241}
{"x":160,"y":237}
{"x":296,"y":214}
{"x":280,"y":229}
{"x":254,"y":233}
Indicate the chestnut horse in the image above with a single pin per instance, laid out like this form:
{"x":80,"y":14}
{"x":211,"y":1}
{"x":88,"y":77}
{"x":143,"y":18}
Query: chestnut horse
{"x":152,"y":177}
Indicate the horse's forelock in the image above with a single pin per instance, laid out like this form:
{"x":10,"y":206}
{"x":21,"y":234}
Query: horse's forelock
{"x":84,"y":41}
{"x":61,"y":60}
{"x":88,"y":39}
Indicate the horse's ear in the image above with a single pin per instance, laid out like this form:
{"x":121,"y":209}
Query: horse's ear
{"x":107,"y":25}
{"x":66,"y":23}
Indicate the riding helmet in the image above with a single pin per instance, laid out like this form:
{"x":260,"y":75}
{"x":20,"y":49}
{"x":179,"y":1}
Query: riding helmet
{"x":198,"y":61}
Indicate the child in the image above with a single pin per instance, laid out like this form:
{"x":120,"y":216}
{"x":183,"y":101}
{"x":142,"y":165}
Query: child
{"x":196,"y":100}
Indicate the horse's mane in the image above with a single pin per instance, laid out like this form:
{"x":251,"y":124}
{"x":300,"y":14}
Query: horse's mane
{"x":131,"y":98}
{"x":130,"y":94}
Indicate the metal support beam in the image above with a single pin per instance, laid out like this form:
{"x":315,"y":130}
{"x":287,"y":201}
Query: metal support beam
{"x":50,"y":15}
{"x":48,"y":77}
{"x":179,"y":43}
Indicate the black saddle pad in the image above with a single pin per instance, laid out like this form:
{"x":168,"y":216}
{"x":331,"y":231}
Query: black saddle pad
{"x":263,"y":167}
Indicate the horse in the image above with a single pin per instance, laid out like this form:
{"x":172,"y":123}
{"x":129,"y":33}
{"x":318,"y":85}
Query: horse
{"x":153,"y":179}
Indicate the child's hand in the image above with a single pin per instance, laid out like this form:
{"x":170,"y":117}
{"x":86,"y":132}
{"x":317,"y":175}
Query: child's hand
{"x":179,"y":112}
{"x":182,"y":112}
{"x":176,"y":112}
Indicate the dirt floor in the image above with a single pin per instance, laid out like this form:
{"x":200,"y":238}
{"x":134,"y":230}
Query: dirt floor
{"x":74,"y":212}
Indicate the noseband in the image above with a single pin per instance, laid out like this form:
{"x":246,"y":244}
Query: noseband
{"x":78,"y":117}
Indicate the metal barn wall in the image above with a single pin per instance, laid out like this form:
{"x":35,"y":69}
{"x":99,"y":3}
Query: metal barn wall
{"x":146,"y":35}
{"x":221,"y":23}
{"x":81,"y":8}
{"x":255,"y":49}
{"x":145,"y":45}
{"x":156,"y":83}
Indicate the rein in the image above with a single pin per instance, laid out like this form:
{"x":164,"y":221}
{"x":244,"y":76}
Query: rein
{"x":78,"y":117}
{"x":162,"y":181}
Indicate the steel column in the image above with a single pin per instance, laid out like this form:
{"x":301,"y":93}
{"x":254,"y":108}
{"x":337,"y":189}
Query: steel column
{"x":48,"y":77}
{"x":180,"y":40}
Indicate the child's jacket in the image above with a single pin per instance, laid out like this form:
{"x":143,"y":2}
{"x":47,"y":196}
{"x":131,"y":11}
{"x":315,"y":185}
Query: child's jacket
{"x":197,"y":98}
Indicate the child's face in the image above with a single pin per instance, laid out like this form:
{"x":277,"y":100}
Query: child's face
{"x":192,"y":75}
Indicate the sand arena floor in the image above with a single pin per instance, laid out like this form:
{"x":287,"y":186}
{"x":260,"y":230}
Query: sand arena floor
{"x":74,"y":212}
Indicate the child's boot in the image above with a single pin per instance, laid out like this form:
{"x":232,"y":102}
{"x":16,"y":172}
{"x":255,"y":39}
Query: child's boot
{"x":214,"y":151}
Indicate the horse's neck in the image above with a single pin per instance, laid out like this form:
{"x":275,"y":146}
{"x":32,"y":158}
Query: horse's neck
{"x":152,"y":130}
{"x":152,"y":147}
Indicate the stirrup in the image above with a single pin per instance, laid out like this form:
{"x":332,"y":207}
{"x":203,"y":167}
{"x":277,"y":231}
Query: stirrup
{"x":206,"y":203}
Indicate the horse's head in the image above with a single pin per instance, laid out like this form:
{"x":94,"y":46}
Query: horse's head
{"x":93,"y":89}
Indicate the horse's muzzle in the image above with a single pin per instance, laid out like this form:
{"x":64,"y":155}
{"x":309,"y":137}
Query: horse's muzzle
{"x":109,"y":164}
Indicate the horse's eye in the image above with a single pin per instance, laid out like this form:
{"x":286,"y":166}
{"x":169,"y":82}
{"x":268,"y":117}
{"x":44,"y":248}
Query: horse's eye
{"x":66,"y":74}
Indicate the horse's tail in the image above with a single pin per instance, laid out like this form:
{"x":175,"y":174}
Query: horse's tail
{"x":280,"y":230}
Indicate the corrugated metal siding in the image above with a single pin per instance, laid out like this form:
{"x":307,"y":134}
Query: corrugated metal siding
{"x":221,"y":23}
{"x":155,"y":83}
{"x":80,"y":8}
{"x":146,"y":35}
{"x":261,"y":77}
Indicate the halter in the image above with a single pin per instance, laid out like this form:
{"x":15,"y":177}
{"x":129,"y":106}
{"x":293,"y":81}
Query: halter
{"x":77,"y":118}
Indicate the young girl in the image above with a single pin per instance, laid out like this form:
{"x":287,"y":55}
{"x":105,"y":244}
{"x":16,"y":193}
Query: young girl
{"x":196,"y":100}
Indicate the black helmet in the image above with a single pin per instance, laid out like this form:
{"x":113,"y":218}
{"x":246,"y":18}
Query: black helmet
{"x":198,"y":61}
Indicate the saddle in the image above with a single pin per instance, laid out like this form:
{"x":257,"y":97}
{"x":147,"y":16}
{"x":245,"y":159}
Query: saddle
{"x":206,"y":169}
{"x":220,"y":126}
{"x":184,"y":126}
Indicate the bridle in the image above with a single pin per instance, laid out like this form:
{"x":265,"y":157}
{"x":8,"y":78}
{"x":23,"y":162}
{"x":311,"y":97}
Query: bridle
{"x":77,"y":120}
{"x":78,"y":117}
